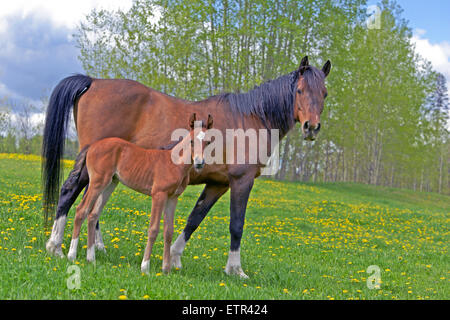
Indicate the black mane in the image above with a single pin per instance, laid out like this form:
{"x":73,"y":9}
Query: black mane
{"x":272,"y":102}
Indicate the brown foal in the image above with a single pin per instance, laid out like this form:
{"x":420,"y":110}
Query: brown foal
{"x":158,"y":173}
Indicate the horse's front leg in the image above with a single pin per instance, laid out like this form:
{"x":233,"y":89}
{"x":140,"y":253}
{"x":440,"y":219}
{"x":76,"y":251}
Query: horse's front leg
{"x":240,"y":192}
{"x":158,"y":202}
{"x":211,"y":193}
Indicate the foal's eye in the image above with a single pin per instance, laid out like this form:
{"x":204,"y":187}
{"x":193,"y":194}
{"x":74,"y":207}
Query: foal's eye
{"x":326,"y":95}
{"x":299,"y":91}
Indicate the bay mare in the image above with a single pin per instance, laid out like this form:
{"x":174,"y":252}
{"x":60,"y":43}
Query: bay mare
{"x":129,"y":110}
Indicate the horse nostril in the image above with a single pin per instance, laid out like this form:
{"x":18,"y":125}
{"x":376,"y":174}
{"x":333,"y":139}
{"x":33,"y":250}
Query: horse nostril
{"x":306,"y":125}
{"x":317,"y":129}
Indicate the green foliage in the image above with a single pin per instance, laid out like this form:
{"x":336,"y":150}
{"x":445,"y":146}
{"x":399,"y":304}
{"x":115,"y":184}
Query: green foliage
{"x":377,"y":128}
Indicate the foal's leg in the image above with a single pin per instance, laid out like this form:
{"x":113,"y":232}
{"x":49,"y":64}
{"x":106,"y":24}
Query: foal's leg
{"x":158,"y":202}
{"x":99,"y":245}
{"x":207,"y":199}
{"x":83,"y":210}
{"x":93,"y":218}
{"x":169,"y":213}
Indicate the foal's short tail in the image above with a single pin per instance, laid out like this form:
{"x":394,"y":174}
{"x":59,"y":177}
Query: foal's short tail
{"x":61,"y":101}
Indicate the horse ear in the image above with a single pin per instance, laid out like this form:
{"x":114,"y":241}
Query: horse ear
{"x":303,"y":65}
{"x":192,"y":120}
{"x":326,"y":68}
{"x":210,"y":122}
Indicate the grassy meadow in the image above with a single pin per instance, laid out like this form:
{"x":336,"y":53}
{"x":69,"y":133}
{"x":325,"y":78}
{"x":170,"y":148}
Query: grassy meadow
{"x":301,"y":241}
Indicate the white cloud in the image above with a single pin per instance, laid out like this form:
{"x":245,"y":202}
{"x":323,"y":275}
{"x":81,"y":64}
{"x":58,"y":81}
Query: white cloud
{"x":437,"y":53}
{"x":66,"y":13}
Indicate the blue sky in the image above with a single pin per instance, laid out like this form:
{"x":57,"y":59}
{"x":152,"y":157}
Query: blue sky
{"x":430,"y":15}
{"x":37,"y":48}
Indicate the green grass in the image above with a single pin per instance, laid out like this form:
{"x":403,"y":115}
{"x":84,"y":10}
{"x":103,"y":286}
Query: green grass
{"x":301,"y":241}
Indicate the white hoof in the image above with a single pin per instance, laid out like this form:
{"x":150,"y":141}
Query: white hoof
{"x":235,"y":270}
{"x":90,"y":256}
{"x":176,"y":250}
{"x":59,"y":253}
{"x":50,"y":246}
{"x":71,"y":256}
{"x":100,"y":247}
{"x":145,"y":267}
{"x":54,"y":248}
{"x":53,"y":245}
{"x":234,"y":264}
{"x":175,"y":261}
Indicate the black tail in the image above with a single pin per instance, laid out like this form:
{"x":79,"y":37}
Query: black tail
{"x":61,"y":101}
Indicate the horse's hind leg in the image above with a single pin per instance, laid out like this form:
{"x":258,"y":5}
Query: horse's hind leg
{"x":69,"y":193}
{"x":99,"y":245}
{"x":169,"y":212}
{"x":93,"y":219}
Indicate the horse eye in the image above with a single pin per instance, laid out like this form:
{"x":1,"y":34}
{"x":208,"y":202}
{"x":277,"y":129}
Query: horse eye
{"x":326,"y":95}
{"x":299,"y":91}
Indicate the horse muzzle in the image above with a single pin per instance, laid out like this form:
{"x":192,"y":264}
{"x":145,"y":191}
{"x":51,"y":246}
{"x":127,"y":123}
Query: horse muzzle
{"x":310,"y":131}
{"x":199,"y":164}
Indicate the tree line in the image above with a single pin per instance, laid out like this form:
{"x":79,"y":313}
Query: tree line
{"x":385,"y":120}
{"x":21,"y":126}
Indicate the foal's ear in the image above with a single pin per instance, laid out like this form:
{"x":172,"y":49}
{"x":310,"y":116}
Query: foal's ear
{"x":303,"y":65}
{"x":210,"y":122}
{"x":192,"y":121}
{"x":326,"y":68}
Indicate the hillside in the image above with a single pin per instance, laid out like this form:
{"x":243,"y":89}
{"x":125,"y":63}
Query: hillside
{"x":301,"y":241}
